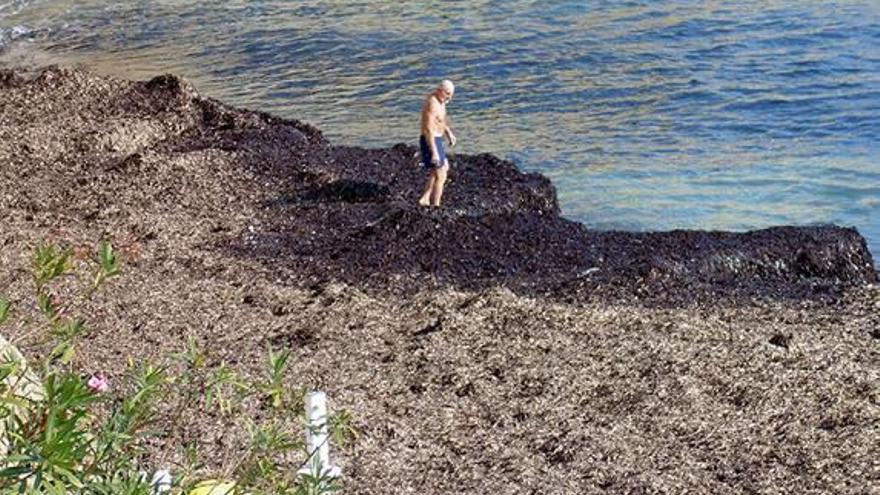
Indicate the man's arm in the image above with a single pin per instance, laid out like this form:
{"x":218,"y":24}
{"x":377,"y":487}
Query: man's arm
{"x":429,"y":113}
{"x":448,"y":131}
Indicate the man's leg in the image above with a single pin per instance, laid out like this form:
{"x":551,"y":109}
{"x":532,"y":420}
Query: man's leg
{"x":439,"y":182}
{"x":425,"y":200}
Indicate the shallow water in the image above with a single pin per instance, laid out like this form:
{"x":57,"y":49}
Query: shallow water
{"x":647,"y":115}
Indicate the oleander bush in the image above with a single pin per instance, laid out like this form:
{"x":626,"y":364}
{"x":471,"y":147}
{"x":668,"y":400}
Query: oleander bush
{"x":65,"y":431}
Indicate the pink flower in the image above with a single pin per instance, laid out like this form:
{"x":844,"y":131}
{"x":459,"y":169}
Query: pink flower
{"x":99,"y":383}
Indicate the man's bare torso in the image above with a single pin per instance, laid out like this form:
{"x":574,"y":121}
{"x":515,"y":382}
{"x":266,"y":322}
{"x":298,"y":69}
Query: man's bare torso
{"x":433,"y":117}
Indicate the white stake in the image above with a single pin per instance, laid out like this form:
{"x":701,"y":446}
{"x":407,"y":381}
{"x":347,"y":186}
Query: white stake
{"x":161,"y":482}
{"x":317,"y":438}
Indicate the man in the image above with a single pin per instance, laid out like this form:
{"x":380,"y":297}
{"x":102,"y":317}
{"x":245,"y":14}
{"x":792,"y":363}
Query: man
{"x":435,"y":125}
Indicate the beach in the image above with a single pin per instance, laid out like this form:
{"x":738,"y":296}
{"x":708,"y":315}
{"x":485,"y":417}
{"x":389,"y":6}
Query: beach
{"x":490,"y":346}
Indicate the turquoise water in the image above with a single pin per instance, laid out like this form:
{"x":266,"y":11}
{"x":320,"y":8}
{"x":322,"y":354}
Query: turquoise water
{"x":647,"y":115}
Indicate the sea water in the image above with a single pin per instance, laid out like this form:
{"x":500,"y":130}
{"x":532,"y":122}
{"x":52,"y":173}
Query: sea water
{"x":647,"y":115}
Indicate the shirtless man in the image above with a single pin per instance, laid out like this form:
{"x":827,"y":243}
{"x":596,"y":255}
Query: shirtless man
{"x":435,"y":125}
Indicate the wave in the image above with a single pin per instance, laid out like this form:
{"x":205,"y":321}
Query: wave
{"x":8,"y":34}
{"x":14,"y":33}
{"x":8,"y":9}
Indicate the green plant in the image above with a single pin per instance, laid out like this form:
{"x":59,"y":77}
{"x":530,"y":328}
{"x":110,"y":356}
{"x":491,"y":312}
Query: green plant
{"x":274,"y":387}
{"x":77,"y":435}
{"x":317,"y":482}
{"x":226,"y":389}
{"x":108,"y":265}
{"x":114,"y":446}
{"x":48,"y":441}
{"x":193,"y":358}
{"x":342,"y":428}
{"x":50,"y":262}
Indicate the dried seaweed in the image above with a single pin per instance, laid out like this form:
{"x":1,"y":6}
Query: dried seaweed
{"x":487,"y":347}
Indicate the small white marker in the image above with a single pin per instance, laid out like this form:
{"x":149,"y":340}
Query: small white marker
{"x":161,"y":482}
{"x":317,"y":437}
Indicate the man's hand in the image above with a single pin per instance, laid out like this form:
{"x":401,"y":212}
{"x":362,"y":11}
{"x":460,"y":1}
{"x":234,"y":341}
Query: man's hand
{"x":435,"y":159}
{"x":452,"y":139}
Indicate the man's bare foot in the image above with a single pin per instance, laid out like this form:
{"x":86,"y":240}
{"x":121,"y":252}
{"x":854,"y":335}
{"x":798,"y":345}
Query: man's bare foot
{"x":424,"y":202}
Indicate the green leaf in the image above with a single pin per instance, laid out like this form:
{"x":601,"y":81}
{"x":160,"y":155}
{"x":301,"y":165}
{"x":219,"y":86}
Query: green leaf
{"x":67,"y":357}
{"x":14,"y":401}
{"x":70,"y":330}
{"x":60,"y":350}
{"x":44,"y":301}
{"x":109,"y":262}
{"x":20,"y":458}
{"x":51,"y":262}
{"x":5,"y":306}
{"x":9,"y":366}
{"x":277,"y":365}
{"x":14,"y":471}
{"x":71,"y":478}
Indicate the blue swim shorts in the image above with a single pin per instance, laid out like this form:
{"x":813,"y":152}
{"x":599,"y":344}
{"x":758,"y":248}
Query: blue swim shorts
{"x":426,"y":151}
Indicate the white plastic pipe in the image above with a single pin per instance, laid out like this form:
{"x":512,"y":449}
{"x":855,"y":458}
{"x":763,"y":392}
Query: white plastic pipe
{"x":161,"y":482}
{"x":317,"y":437}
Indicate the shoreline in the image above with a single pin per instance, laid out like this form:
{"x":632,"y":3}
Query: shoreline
{"x":664,"y":172}
{"x":349,"y":214}
{"x":234,"y":228}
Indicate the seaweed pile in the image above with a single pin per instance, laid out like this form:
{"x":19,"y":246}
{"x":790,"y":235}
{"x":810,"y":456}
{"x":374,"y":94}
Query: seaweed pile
{"x":489,"y":346}
{"x":344,"y":213}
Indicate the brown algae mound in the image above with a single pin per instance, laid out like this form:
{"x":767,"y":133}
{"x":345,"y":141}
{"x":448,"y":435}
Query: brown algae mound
{"x":330,"y":212}
{"x":490,"y":346}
